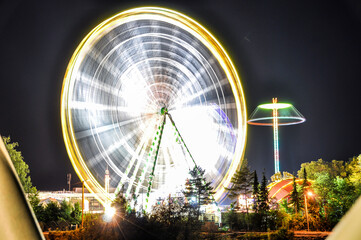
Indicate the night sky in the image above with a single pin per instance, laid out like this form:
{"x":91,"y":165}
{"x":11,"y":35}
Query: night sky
{"x":307,"y":53}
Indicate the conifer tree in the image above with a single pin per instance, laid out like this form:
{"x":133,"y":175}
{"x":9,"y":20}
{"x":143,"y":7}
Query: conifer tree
{"x":241,"y":182}
{"x":305,"y":182}
{"x":255,"y":191}
{"x":304,"y":188}
{"x":263,"y":200}
{"x":263,"y":203}
{"x":295,"y":198}
{"x":198,"y":191}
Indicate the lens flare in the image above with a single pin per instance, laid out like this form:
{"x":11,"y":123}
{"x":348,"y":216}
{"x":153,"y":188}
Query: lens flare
{"x":109,"y":213}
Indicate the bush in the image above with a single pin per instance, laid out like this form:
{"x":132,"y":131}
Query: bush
{"x":273,"y":220}
{"x":209,"y":227}
{"x":283,"y":234}
{"x":297,"y":222}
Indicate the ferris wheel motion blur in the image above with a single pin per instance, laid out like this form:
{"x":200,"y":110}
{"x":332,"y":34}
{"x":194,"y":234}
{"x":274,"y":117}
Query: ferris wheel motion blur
{"x":149,"y":94}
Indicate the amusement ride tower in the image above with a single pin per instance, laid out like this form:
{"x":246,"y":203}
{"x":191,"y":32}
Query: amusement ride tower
{"x":276,"y":114}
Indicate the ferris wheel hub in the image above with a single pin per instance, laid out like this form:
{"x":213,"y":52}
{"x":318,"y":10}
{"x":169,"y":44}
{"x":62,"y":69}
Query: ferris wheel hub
{"x":163,"y":111}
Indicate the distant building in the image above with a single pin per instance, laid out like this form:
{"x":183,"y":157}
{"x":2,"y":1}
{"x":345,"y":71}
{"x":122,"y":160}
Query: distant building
{"x":91,"y":204}
{"x":245,"y":202}
{"x":46,"y":201}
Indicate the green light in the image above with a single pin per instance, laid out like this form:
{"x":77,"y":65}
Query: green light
{"x":275,"y":105}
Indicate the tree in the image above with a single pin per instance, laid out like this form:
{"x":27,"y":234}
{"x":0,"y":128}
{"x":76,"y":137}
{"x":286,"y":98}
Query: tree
{"x":341,"y":197}
{"x":255,"y":191}
{"x":313,"y":168}
{"x":305,"y":182}
{"x":322,"y":185}
{"x":198,"y":191}
{"x":23,"y":172}
{"x":337,"y":185}
{"x":304,"y":187}
{"x":336,"y":194}
{"x":354,"y":170}
{"x":190,"y":206}
{"x":241,"y":182}
{"x":65,"y":210}
{"x":52,"y":212}
{"x":295,"y":197}
{"x":22,"y":169}
{"x":76,"y":214}
{"x":190,"y":193}
{"x":168,"y":212}
{"x":263,"y":199}
{"x":38,"y":209}
{"x":285,"y":206}
{"x":70,"y":213}
{"x":263,"y":204}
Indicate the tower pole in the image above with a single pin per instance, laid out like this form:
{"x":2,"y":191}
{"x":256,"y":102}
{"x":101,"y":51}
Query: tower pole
{"x":275,"y":136}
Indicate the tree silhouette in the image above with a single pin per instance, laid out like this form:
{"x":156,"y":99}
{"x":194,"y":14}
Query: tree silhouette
{"x":255,"y":191}
{"x":295,"y":197}
{"x":263,"y":199}
{"x":197,"y":190}
{"x":241,"y":182}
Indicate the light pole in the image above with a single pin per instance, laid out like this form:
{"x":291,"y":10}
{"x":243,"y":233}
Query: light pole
{"x":309,"y":194}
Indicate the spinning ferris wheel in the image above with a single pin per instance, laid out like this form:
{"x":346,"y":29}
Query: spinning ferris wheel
{"x":149,"y":94}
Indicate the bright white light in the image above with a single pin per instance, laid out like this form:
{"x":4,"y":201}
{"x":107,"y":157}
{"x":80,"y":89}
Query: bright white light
{"x":275,"y":105}
{"x":200,"y":133}
{"x":109,"y":213}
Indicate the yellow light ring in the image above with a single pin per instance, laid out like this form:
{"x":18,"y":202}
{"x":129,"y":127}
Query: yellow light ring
{"x":197,"y":31}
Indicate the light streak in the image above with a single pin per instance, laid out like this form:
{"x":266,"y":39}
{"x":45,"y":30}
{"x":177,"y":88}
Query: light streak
{"x":275,"y":136}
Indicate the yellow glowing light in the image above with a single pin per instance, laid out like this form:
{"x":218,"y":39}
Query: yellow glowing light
{"x":197,"y":31}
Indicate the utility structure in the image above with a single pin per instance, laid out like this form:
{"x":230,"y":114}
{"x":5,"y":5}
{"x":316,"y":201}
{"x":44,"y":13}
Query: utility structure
{"x":276,"y":114}
{"x":68,"y":180}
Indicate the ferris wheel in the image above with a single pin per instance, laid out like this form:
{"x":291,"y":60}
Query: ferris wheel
{"x":149,"y":94}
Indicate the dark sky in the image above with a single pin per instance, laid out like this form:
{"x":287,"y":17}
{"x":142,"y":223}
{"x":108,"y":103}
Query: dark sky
{"x":304,"y":52}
